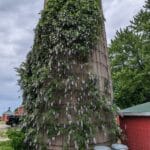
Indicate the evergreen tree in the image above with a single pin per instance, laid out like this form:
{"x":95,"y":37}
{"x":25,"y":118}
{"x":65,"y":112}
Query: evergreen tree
{"x":130,"y":60}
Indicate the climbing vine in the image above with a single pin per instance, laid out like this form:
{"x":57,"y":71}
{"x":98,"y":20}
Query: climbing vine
{"x":60,"y":94}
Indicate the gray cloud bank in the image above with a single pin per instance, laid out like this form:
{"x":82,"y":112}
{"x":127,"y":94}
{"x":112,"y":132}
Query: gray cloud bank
{"x":19,"y":18}
{"x":118,"y":14}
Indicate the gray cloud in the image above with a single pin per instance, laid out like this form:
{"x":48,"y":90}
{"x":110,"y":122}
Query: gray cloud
{"x":118,"y":14}
{"x":19,"y":18}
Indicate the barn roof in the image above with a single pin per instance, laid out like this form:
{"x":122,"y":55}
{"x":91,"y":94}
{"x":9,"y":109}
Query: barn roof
{"x":8,"y":112}
{"x":138,"y":110}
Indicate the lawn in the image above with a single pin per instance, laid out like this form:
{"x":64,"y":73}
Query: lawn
{"x":5,"y":146}
{"x":1,"y":122}
{"x":4,"y":141}
{"x":3,"y":134}
{"x":3,"y":131}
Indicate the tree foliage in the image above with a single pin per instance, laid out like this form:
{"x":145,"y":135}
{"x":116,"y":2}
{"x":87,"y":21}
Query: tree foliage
{"x":60,"y":94}
{"x":130,"y":60}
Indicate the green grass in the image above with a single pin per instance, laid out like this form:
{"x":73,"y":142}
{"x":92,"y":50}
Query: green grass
{"x":2,"y":122}
{"x":11,"y":138}
{"x":3,"y":134}
{"x":5,"y":146}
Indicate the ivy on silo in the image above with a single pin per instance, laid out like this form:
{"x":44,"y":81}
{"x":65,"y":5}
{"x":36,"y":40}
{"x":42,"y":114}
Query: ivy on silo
{"x":56,"y":80}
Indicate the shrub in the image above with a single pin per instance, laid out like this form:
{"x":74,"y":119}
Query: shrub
{"x":16,"y":138}
{"x":5,"y":145}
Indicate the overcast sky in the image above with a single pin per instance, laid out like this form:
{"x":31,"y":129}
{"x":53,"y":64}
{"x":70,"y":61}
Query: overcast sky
{"x":19,"y":18}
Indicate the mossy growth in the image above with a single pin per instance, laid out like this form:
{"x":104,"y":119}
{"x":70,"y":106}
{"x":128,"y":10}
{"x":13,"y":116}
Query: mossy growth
{"x":60,"y":94}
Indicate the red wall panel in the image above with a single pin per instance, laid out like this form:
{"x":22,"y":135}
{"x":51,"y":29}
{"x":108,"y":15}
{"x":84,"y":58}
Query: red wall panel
{"x":137,"y":132}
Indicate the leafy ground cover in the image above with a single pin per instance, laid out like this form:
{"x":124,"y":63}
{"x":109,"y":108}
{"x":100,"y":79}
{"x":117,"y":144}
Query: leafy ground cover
{"x":6,"y":145}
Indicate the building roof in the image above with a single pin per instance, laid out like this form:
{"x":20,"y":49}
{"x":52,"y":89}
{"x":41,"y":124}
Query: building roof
{"x":138,"y":110}
{"x":8,"y":112}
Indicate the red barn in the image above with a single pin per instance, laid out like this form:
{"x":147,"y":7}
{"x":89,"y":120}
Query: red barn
{"x":19,"y":111}
{"x":135,"y":123}
{"x":6,"y":115}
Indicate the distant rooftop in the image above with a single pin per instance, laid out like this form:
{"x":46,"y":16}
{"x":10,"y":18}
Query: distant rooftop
{"x":8,"y":112}
{"x":138,"y":110}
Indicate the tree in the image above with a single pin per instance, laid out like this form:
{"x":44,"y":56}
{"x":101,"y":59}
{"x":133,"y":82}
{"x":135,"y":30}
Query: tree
{"x":60,"y":93}
{"x":130,"y":60}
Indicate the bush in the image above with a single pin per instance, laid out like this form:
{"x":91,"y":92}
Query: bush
{"x":6,"y":145}
{"x":16,"y":139}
